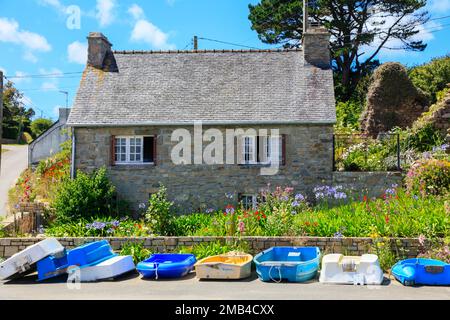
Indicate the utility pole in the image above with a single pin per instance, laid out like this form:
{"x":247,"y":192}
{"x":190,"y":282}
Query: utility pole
{"x":195,"y":43}
{"x":305,"y":16}
{"x":1,"y":118}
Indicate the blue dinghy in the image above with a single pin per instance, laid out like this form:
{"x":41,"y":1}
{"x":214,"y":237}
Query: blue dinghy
{"x":287,"y":263}
{"x":166,"y":265}
{"x":52,"y":266}
{"x":422,"y":272}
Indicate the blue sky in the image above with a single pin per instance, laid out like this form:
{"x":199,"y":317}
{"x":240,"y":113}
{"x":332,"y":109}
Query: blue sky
{"x":36,"y":39}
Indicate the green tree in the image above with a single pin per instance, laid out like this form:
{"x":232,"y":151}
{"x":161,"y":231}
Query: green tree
{"x":40,"y":125}
{"x":16,"y":117}
{"x":359,"y":30}
{"x":432,"y":77}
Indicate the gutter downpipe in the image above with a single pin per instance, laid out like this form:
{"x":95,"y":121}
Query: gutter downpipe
{"x":72,"y":167}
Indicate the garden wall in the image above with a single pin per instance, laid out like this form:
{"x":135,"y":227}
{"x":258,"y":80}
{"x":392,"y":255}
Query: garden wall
{"x":372,"y":184}
{"x":348,"y":246}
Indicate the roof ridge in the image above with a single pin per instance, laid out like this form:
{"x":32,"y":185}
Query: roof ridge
{"x":203,"y":51}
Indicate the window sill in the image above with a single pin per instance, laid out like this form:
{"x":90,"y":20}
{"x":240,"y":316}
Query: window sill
{"x":132,"y":166}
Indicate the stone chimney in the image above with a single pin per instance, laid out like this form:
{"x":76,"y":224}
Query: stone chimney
{"x":316,"y":47}
{"x":98,"y":49}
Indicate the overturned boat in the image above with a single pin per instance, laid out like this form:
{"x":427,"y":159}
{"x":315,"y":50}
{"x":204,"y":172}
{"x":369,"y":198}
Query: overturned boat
{"x":25,"y":260}
{"x":232,"y":265}
{"x":421,"y":271}
{"x":293,"y":264}
{"x":358,"y":270}
{"x":166,"y":265}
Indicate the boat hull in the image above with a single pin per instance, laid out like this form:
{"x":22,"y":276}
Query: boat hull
{"x":421,"y":271}
{"x":166,"y":265}
{"x":107,"y":269}
{"x":340,"y":269}
{"x":22,"y":261}
{"x":225,"y":267}
{"x":290,"y":264}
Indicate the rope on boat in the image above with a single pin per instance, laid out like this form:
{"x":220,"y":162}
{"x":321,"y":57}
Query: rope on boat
{"x":156,"y":271}
{"x":279,"y":274}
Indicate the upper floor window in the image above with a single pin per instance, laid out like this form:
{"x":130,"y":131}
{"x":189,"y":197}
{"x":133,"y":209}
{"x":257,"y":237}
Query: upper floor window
{"x":133,"y":149}
{"x":261,"y":149}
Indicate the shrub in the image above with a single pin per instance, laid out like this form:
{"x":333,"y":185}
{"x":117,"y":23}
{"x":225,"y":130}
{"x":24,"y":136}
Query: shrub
{"x":159,"y":213}
{"x":136,"y":250}
{"x":432,"y":77}
{"x":423,"y":138}
{"x":188,"y":225}
{"x":85,"y":196}
{"x":429,"y":176}
{"x":348,"y":114}
{"x":40,"y":125}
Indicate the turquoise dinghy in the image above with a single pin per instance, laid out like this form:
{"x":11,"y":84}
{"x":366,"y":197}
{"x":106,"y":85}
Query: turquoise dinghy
{"x":288,"y":263}
{"x":422,"y":271}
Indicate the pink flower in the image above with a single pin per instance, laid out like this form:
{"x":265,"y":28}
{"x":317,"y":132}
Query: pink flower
{"x":422,"y":239}
{"x":241,"y":226}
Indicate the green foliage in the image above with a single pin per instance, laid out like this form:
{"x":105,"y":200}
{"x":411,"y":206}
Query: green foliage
{"x":190,"y":224}
{"x":101,"y":226}
{"x":16,"y":117}
{"x":204,"y":250}
{"x":40,"y":125}
{"x":348,"y":114}
{"x":386,"y":255}
{"x":432,"y":77}
{"x":136,"y":250}
{"x":422,"y":138}
{"x":85,"y":196}
{"x":429,"y":177}
{"x":159,"y":213}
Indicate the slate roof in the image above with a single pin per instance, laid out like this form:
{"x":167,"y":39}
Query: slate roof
{"x":215,"y":87}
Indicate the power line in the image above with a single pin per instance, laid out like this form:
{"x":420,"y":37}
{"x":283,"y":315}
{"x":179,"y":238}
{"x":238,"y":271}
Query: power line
{"x":229,"y":43}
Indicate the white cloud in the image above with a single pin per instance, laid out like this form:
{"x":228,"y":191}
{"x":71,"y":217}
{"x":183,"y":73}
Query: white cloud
{"x":21,"y":77}
{"x":440,"y":6}
{"x":136,"y":12}
{"x":145,"y":31}
{"x":105,"y":12}
{"x":10,"y":32}
{"x":55,"y":4}
{"x":53,"y":81}
{"x":29,"y":56}
{"x":77,"y":52}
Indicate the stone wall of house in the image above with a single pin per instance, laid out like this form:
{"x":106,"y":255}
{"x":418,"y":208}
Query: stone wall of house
{"x":372,"y":184}
{"x":348,"y":246}
{"x":308,"y":163}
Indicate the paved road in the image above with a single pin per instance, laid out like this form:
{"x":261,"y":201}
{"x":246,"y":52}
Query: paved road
{"x":131,"y":286}
{"x":13,"y":163}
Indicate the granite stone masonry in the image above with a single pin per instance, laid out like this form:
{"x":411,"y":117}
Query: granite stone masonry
{"x":348,"y":246}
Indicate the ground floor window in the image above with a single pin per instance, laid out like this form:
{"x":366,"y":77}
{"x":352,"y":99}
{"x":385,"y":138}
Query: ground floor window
{"x":249,"y":201}
{"x":133,"y":149}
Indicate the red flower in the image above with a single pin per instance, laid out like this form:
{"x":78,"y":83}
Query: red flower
{"x":365,"y":199}
{"x":386,"y":218}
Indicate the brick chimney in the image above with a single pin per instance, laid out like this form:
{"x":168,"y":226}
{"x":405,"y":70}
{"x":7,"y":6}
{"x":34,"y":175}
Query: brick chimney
{"x":98,"y":49}
{"x":316,"y":47}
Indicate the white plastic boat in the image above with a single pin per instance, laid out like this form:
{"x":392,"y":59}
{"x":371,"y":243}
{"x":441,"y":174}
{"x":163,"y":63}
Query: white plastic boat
{"x":22,"y":261}
{"x":110,"y":268}
{"x":358,"y":270}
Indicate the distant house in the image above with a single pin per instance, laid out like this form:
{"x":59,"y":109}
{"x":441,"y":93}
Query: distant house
{"x":49,"y":142}
{"x":130,"y":102}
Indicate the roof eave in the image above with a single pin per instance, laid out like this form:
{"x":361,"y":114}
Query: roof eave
{"x":207,"y":123}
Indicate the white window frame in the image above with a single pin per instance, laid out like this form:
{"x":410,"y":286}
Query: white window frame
{"x":254,"y":200}
{"x":128,"y":160}
{"x":269,"y":144}
{"x":251,"y":150}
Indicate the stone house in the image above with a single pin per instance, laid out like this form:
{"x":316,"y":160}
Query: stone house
{"x":130,"y":104}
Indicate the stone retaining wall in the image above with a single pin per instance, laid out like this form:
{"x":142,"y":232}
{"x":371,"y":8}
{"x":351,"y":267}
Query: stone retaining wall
{"x":348,"y":246}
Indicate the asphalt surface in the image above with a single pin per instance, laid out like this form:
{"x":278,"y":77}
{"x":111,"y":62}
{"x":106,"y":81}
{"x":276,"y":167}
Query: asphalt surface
{"x":13,"y":163}
{"x":133,"y":287}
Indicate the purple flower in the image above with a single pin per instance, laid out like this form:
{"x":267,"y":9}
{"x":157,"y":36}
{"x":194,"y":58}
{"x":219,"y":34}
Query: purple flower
{"x":98,"y":225}
{"x":295,"y":203}
{"x":340,"y":195}
{"x":390,"y":191}
{"x":338,"y":235}
{"x":284,"y":198}
{"x":229,"y":209}
{"x":210,"y":210}
{"x":88,"y":226}
{"x":109,"y":230}
{"x":299,"y":197}
{"x":229,"y":195}
{"x":115,"y":223}
{"x":415,"y":197}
